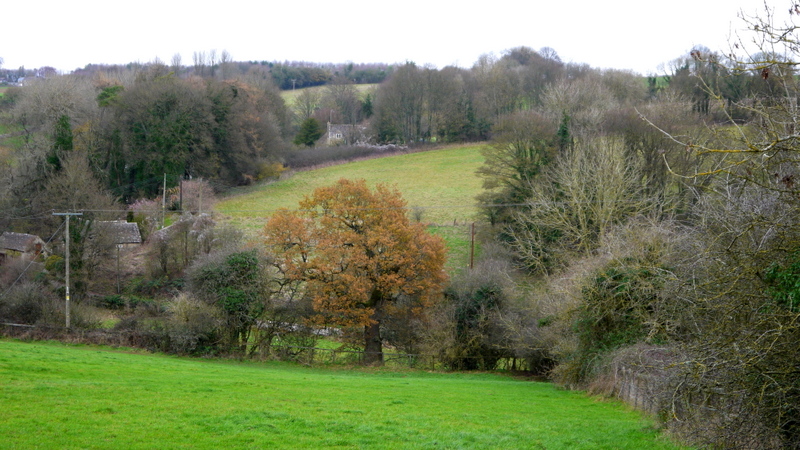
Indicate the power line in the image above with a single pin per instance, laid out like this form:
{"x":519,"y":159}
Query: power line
{"x":408,"y":208}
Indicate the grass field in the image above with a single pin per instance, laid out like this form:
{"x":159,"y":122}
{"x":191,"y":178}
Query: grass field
{"x":57,"y":396}
{"x":291,"y":95}
{"x":441,"y":182}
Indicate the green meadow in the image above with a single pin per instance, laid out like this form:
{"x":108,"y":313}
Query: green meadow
{"x":58,"y":396}
{"x":290,"y":96}
{"x":442,"y":182}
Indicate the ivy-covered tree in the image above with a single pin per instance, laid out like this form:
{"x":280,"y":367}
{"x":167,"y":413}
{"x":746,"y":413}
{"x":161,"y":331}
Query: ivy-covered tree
{"x":62,"y":141}
{"x":522,"y":147}
{"x":235,"y":282}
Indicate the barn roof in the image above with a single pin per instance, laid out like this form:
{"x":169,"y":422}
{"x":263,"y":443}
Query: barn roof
{"x":19,"y":242}
{"x":122,"y":232}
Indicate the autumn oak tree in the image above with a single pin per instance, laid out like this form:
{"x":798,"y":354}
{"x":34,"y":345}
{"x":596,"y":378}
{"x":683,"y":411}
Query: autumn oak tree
{"x":357,"y":254}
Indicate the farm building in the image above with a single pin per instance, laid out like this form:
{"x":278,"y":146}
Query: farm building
{"x":121,"y":232}
{"x":20,"y":245}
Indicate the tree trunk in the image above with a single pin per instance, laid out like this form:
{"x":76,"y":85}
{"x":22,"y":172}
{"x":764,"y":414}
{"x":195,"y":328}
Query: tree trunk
{"x":373,"y":347}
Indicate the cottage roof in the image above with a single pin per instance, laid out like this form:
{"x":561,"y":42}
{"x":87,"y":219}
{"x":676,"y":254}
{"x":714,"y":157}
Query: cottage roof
{"x":19,"y":242}
{"x":121,"y":232}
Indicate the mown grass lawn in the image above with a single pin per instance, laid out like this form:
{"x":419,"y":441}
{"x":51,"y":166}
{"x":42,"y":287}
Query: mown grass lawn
{"x":58,"y":396}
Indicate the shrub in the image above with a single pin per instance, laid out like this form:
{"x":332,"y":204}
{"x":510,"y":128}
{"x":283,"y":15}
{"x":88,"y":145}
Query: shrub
{"x":270,"y":171}
{"x":235,"y":283}
{"x":477,"y":299}
{"x":25,"y":303}
{"x":611,"y":300}
{"x":193,"y":326}
{"x":112,"y":301}
{"x":618,"y":310}
{"x":33,"y":304}
{"x":18,"y":270}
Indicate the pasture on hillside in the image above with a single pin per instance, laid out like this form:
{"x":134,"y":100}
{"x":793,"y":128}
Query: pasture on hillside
{"x":441,"y":184}
{"x":58,"y":396}
{"x":289,"y":96}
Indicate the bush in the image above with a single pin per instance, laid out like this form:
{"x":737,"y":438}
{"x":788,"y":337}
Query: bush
{"x":235,"y":283}
{"x":270,"y":171}
{"x":32,"y":303}
{"x":25,"y":303}
{"x":611,"y":300}
{"x":18,"y":270}
{"x":112,"y":302}
{"x":193,"y":326}
{"x":183,"y":325}
{"x":477,"y":298}
{"x":619,"y":306}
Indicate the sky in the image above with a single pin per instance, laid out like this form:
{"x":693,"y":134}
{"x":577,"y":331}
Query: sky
{"x":642,"y":36}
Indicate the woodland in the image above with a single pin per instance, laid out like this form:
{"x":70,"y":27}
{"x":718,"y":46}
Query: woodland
{"x":645,"y":225}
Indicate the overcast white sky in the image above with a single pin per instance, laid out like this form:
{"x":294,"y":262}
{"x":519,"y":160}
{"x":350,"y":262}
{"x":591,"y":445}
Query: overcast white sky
{"x":623,"y":34}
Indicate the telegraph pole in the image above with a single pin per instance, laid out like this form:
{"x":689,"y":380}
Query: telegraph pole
{"x":68,"y":238}
{"x":164,"y":202}
{"x":472,"y":247}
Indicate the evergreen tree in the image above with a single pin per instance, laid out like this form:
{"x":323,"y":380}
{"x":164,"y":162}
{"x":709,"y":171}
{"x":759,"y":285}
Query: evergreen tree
{"x":310,"y":131}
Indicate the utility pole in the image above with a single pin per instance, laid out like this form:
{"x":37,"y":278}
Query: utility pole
{"x":180,"y":190}
{"x":472,"y":246}
{"x":68,"y":238}
{"x":164,"y":202}
{"x":119,"y":246}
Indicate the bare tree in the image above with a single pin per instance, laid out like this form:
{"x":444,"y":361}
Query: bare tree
{"x":212,"y":61}
{"x":47,"y":99}
{"x":199,"y":60}
{"x":582,"y":197}
{"x":176,"y":63}
{"x":585,"y":100}
{"x":306,"y":103}
{"x":738,"y":280}
{"x":226,"y":64}
{"x":342,"y":97}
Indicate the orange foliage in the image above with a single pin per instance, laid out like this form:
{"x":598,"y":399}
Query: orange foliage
{"x":357,"y":251}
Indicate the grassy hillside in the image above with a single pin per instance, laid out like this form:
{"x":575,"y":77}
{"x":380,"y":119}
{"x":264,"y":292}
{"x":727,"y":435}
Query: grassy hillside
{"x":442,"y":183}
{"x":56,"y":396}
{"x":290,"y":95}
